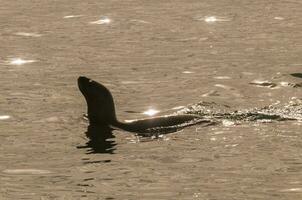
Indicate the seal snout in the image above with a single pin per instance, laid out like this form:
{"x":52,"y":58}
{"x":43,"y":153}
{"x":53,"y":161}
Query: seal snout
{"x":83,"y":83}
{"x":83,"y":79}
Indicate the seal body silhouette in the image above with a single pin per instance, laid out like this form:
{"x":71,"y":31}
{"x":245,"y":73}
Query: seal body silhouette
{"x":101,"y":112}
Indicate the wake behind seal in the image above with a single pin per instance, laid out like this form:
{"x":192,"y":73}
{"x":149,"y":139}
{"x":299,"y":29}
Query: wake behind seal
{"x":101,"y":112}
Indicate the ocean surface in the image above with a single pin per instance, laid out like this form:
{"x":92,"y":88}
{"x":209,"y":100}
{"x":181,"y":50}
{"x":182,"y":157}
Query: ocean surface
{"x":155,"y":57}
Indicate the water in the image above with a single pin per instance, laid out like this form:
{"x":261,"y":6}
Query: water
{"x":158,"y":55}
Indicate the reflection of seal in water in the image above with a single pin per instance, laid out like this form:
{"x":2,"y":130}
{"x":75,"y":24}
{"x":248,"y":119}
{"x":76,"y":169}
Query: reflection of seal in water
{"x":101,"y":112}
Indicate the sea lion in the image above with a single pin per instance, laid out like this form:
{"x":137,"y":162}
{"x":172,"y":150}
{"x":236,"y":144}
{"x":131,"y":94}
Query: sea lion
{"x":101,"y":112}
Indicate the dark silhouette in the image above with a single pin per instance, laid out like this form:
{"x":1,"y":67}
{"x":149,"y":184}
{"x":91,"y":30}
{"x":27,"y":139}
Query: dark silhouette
{"x":102,"y":119}
{"x":101,"y":113}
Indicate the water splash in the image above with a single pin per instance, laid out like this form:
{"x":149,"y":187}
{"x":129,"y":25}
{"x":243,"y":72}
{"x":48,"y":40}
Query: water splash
{"x":274,"y":112}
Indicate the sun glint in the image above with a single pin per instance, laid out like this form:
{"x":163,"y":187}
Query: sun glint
{"x":210,"y":19}
{"x":20,"y":61}
{"x":151,"y":112}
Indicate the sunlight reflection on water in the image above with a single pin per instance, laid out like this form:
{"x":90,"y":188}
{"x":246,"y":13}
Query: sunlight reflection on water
{"x":103,"y":20}
{"x":25,"y":34}
{"x":72,"y":16}
{"x":210,"y":19}
{"x":151,"y":112}
{"x":26,"y":171}
{"x":278,"y":18}
{"x":187,"y":72}
{"x":222,"y":77}
{"x":292,"y":190}
{"x":19,"y":61}
{"x":213,"y":19}
{"x":4,"y":117}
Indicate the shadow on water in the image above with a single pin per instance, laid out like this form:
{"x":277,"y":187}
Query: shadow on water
{"x":101,"y":140}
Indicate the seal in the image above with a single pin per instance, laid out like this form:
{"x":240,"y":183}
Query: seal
{"x":101,"y":112}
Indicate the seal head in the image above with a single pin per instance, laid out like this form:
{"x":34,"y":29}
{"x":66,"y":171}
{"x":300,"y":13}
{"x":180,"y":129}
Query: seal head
{"x":100,"y":104}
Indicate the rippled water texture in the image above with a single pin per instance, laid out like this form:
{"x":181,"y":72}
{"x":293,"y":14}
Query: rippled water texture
{"x":155,"y":57}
